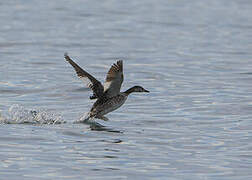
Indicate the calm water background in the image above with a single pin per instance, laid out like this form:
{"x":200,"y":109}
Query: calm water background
{"x":194,"y":57}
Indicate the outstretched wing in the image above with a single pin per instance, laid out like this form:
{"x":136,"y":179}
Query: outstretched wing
{"x":114,"y":79}
{"x":91,"y":82}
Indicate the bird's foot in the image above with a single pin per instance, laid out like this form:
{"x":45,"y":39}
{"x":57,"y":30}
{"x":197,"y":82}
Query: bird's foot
{"x":93,"y":97}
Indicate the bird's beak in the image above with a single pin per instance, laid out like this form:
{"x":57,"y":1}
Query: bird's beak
{"x":146,"y":91}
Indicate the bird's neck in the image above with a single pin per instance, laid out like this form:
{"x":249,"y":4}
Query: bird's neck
{"x":129,"y":91}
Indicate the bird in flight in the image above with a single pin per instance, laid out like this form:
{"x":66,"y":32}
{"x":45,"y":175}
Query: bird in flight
{"x":109,"y":97}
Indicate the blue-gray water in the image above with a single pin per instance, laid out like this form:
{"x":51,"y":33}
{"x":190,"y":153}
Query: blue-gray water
{"x":193,"y":56}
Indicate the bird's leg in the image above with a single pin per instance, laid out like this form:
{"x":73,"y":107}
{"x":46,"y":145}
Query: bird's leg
{"x":102,"y":118}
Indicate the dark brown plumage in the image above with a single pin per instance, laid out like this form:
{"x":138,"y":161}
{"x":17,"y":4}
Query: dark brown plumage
{"x":108,"y":96}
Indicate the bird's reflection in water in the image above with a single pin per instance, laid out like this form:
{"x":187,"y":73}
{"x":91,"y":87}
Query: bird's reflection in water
{"x":95,"y":126}
{"x":99,"y":127}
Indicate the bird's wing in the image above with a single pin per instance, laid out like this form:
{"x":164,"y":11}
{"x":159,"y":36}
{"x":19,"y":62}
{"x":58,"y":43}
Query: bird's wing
{"x":114,"y":79}
{"x":88,"y":79}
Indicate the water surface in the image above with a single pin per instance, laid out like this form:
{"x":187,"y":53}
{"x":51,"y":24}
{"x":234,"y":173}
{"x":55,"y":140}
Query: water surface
{"x":193,"y":56}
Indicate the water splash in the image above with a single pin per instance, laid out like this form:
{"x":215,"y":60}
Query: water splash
{"x":2,"y":119}
{"x":18,"y":114}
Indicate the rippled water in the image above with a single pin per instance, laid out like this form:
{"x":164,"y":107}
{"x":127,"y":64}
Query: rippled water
{"x":193,"y":56}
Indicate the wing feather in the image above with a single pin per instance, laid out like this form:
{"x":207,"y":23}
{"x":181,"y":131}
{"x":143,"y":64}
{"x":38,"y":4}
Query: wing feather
{"x":88,"y":79}
{"x":114,"y":79}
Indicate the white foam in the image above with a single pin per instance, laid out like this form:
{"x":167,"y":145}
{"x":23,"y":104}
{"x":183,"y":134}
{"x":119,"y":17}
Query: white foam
{"x":18,"y":114}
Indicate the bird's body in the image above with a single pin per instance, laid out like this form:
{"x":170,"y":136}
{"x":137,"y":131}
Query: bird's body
{"x":102,"y":107}
{"x":109,"y":97}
